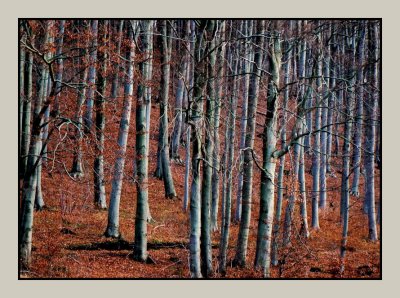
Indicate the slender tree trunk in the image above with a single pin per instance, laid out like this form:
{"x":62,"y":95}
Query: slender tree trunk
{"x":88,"y":118}
{"x":243,"y":122}
{"x":99,"y":183}
{"x":205,"y":239}
{"x":316,"y":148}
{"x":264,"y":233}
{"x":359,"y":112}
{"x":228,"y":169}
{"x":280,"y":186}
{"x":180,"y":92}
{"x":241,"y":250}
{"x":60,"y":66}
{"x":195,"y":120}
{"x":26,"y":117}
{"x":186,"y":114}
{"x":164,"y":167}
{"x":115,"y":85}
{"x":30,"y":177}
{"x":142,"y":149}
{"x":216,"y":156}
{"x":349,"y":101}
{"x":370,"y":127}
{"x":21,"y":101}
{"x":113,"y":213}
{"x":324,"y":135}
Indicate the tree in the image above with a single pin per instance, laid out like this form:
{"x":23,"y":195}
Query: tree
{"x":142,"y":144}
{"x":264,"y":232}
{"x":370,"y":127}
{"x":98,"y":167}
{"x":30,"y":177}
{"x":163,"y":161}
{"x":241,"y":250}
{"x":88,"y":118}
{"x":115,"y":196}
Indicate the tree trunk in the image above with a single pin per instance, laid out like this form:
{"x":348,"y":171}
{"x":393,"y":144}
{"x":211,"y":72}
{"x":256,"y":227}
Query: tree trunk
{"x":228,"y":168}
{"x":115,"y":85}
{"x":324,"y":135}
{"x":60,"y":66}
{"x":180,"y":92}
{"x":164,"y":162}
{"x":371,"y":107}
{"x":26,"y":117}
{"x":30,"y":177}
{"x":205,"y":238}
{"x":264,"y":233}
{"x":142,"y":148}
{"x":243,"y":123}
{"x":218,"y":104}
{"x":349,"y":102}
{"x":98,"y":173}
{"x":316,"y":157}
{"x":113,"y":213}
{"x":359,"y":112}
{"x":88,"y":118}
{"x":241,"y":250}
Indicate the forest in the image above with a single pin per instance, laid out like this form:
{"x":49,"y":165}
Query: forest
{"x":199,"y":148}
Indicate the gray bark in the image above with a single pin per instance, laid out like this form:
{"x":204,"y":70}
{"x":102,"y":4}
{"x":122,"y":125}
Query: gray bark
{"x":60,"y":65}
{"x":30,"y":177}
{"x":88,"y":117}
{"x":241,"y":250}
{"x":142,"y":148}
{"x":115,"y":81}
{"x":163,"y":163}
{"x":228,"y":167}
{"x":316,"y":148}
{"x":359,"y":112}
{"x":115,"y":196}
{"x":26,"y":117}
{"x":216,"y":154}
{"x":370,"y":134}
{"x":205,"y":239}
{"x":243,"y":123}
{"x":264,"y":231}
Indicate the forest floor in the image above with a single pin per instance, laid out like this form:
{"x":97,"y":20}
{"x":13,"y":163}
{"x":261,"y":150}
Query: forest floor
{"x":69,"y":242}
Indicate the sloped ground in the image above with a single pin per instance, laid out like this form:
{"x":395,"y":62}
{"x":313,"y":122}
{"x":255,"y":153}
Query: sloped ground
{"x":68,"y":239}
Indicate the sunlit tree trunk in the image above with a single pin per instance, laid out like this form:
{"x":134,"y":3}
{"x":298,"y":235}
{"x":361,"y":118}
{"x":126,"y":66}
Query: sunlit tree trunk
{"x":186,"y":114}
{"x":196,"y":109}
{"x":316,"y":147}
{"x":115,"y":196}
{"x":142,"y":149}
{"x":30,"y":177}
{"x":264,"y":232}
{"x":218,"y":105}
